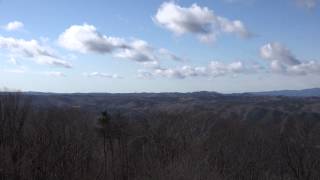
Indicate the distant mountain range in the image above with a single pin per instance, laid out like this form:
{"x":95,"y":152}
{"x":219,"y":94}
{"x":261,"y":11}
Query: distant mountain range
{"x":263,"y":106}
{"x":315,"y":92}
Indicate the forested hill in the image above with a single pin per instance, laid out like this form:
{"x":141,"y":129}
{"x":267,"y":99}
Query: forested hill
{"x":159,"y":136}
{"x":242,"y":106}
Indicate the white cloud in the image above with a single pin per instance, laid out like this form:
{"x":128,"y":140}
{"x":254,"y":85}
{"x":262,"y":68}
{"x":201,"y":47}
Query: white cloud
{"x":139,"y":51}
{"x":307,"y":3}
{"x":53,"y":61}
{"x":148,"y":56}
{"x":283,"y":61}
{"x":197,"y":20}
{"x":86,"y":39}
{"x":220,"y":69}
{"x":13,"y":26}
{"x":213,"y":69}
{"x":55,"y":74}
{"x":278,"y":52}
{"x":305,"y":68}
{"x":103,"y":75}
{"x":172,"y":73}
{"x":32,"y":49}
{"x":151,"y":64}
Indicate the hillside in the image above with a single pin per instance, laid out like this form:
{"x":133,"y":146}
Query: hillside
{"x":159,"y":136}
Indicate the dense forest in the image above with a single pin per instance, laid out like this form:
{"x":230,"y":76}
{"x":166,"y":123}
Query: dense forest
{"x":164,"y":137}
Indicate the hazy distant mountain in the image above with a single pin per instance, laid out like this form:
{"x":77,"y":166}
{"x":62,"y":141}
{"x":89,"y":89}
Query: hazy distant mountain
{"x":315,"y":92}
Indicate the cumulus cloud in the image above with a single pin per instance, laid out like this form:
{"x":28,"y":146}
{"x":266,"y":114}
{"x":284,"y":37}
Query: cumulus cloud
{"x":86,"y":39}
{"x":147,"y":55}
{"x":139,"y":51}
{"x":278,"y":52}
{"x":32,"y":49}
{"x":103,"y":75}
{"x":213,"y":69}
{"x":282,"y":60}
{"x":197,"y":20}
{"x":304,"y":68}
{"x":307,"y":3}
{"x":219,"y":69}
{"x":13,"y":26}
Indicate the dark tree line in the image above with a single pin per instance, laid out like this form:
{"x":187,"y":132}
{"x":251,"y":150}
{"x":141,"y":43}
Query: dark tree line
{"x":68,"y":143}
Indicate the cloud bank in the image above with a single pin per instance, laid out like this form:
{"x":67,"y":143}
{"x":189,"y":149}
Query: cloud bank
{"x":213,"y":69}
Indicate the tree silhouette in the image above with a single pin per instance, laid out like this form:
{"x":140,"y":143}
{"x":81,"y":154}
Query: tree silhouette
{"x":104,"y":129}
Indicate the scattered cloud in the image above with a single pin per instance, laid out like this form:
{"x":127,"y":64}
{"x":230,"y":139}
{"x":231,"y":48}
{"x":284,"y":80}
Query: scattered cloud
{"x":54,"y":61}
{"x":220,"y":69}
{"x":32,"y":49}
{"x":201,"y":21}
{"x":86,"y":39}
{"x":283,"y":61}
{"x":55,"y":74}
{"x":169,"y":55}
{"x":278,"y":52}
{"x":144,"y":74}
{"x":213,"y":69}
{"x":139,"y":51}
{"x":103,"y":75}
{"x":151,"y":64}
{"x":13,"y":26}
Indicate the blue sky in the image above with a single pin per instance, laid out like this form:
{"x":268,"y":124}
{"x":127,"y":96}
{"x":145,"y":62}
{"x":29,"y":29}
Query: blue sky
{"x":159,"y":46}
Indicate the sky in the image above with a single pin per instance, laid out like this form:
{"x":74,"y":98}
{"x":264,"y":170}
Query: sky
{"x":122,"y":46}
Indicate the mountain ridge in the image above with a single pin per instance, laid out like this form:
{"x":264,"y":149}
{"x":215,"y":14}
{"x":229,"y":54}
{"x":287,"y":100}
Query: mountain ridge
{"x":289,"y":93}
